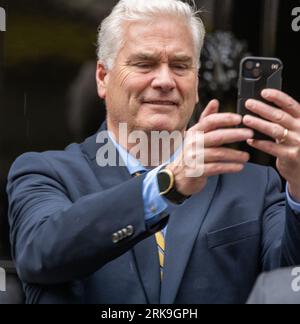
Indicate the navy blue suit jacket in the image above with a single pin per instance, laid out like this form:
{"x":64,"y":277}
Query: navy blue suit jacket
{"x":64,"y":210}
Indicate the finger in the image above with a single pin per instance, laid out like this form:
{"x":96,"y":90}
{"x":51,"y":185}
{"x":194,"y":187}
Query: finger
{"x":283,"y":101}
{"x":211,"y":108}
{"x":270,"y":129}
{"x":213,"y":169}
{"x":227,"y":136}
{"x":271,"y":148}
{"x":277,"y":116}
{"x":222,"y":154}
{"x":220,"y":120}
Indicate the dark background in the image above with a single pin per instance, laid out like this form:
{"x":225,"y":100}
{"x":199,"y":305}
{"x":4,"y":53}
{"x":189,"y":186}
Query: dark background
{"x":47,"y":60}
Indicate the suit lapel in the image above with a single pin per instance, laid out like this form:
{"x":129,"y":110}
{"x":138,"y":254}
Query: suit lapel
{"x":183,"y":229}
{"x":145,"y":252}
{"x":146,"y":257}
{"x":108,"y":176}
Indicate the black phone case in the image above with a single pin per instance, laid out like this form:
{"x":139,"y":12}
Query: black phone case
{"x":252,"y":88}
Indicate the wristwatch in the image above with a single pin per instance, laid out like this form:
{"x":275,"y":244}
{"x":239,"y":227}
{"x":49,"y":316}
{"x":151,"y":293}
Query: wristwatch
{"x":167,"y":187}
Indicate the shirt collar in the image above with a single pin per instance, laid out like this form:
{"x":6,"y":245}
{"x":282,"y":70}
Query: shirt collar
{"x":133,"y":165}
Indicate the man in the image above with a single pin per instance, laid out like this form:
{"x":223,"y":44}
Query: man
{"x":84,"y":233}
{"x":277,"y":287}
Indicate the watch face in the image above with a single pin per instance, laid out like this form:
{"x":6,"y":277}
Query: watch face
{"x":163,"y":181}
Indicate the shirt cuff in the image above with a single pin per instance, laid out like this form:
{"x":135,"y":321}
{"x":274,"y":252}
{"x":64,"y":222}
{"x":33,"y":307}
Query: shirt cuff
{"x":154,"y":203}
{"x":295,"y":206}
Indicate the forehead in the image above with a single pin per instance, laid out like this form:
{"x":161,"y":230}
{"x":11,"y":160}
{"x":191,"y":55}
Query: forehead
{"x":168,"y":35}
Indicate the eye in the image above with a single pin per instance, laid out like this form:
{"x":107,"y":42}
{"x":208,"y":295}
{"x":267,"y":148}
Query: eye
{"x":179,"y":66}
{"x":180,"y":69}
{"x":144,"y":65}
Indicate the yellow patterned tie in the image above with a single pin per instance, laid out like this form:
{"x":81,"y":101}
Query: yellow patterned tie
{"x":160,"y":240}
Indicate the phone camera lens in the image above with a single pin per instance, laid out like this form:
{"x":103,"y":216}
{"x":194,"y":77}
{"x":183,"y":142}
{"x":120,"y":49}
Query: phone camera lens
{"x":256,"y":73}
{"x":249,"y":65}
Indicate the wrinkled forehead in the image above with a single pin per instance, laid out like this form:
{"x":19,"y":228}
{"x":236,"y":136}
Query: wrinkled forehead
{"x":160,"y":37}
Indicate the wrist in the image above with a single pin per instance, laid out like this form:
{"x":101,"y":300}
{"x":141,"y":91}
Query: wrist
{"x":174,"y":170}
{"x":167,"y":187}
{"x":294,"y":192}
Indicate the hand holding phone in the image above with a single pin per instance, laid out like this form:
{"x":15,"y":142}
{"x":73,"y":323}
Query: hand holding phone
{"x":257,"y":74}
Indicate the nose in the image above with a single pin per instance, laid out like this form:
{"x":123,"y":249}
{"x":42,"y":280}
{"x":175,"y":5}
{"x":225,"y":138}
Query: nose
{"x":164,"y":80}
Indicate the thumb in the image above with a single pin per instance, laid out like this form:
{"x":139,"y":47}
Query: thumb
{"x":211,"y":108}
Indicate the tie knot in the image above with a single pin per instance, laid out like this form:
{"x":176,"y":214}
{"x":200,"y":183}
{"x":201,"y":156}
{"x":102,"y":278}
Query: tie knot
{"x":137,"y":174}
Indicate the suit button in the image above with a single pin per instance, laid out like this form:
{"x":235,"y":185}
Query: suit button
{"x":130,"y":230}
{"x":124,"y":232}
{"x":153,"y":210}
{"x":115,"y":238}
{"x":121,"y":235}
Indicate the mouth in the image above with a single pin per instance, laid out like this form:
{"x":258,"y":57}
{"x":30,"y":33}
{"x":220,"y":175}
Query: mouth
{"x":161,"y":103}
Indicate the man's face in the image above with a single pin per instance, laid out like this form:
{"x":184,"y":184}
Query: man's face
{"x":153,"y":84}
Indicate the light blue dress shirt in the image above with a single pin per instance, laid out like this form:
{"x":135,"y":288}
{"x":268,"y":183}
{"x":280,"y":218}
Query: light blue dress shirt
{"x":154,"y":203}
{"x":295,"y":206}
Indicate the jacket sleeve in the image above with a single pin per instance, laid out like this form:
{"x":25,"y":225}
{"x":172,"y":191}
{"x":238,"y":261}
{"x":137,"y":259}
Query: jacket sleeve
{"x":281,"y":228}
{"x":55,"y":240}
{"x":291,"y":239}
{"x":257,"y":296}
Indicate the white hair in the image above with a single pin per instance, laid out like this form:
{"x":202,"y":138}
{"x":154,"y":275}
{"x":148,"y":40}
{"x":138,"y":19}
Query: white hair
{"x":110,"y":36}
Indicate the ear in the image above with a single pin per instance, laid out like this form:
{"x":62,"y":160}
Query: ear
{"x":101,"y":79}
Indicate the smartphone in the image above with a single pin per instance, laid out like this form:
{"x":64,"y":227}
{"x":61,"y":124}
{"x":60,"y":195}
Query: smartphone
{"x":257,"y":74}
